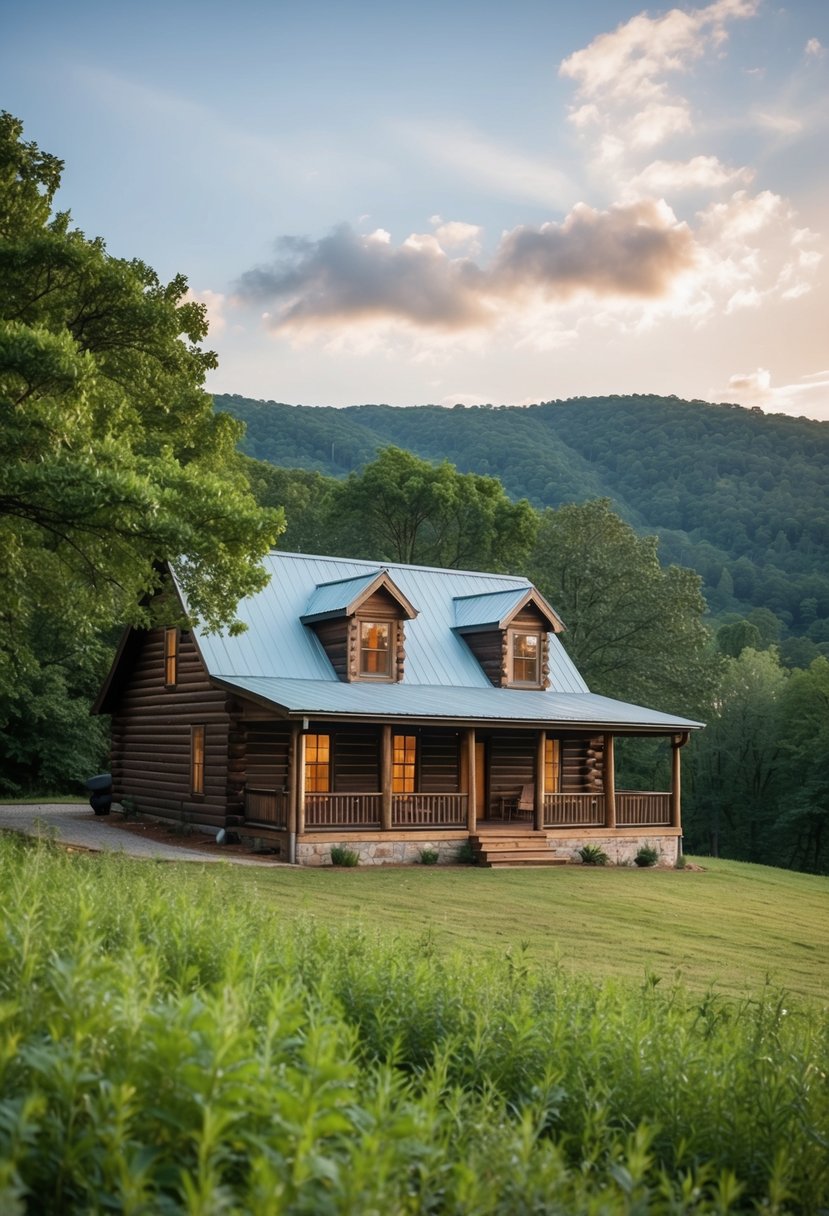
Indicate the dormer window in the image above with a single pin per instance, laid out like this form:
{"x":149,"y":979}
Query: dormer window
{"x":376,"y":649}
{"x":525,"y":656}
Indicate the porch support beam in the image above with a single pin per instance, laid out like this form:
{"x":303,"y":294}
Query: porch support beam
{"x":471,"y":784}
{"x":540,"y":775}
{"x":386,"y":766}
{"x":299,"y":763}
{"x":610,"y":782}
{"x":677,"y":743}
{"x":292,"y":795}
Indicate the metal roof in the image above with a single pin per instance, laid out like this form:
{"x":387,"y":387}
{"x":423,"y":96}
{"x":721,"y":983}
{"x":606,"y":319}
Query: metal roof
{"x":282,"y":660}
{"x":494,"y":609}
{"x":330,"y":598}
{"x":503,"y":705}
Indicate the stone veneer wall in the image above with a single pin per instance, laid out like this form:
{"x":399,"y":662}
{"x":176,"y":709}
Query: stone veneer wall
{"x":378,"y":853}
{"x":620,"y":850}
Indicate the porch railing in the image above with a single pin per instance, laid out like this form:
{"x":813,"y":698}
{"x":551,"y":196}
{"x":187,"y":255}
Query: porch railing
{"x":428,"y":810}
{"x":635,"y":809}
{"x":343,"y":810}
{"x":574,"y":810}
{"x":266,"y":806}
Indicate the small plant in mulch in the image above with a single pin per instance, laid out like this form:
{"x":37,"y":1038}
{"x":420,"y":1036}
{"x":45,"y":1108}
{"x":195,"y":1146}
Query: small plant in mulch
{"x":647,"y":856}
{"x":429,"y":857}
{"x":466,"y":855}
{"x":341,"y":856}
{"x":592,"y":855}
{"x":680,"y":862}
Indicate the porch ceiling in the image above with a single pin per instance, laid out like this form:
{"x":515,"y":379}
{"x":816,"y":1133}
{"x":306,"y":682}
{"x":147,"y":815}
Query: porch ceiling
{"x":503,"y":705}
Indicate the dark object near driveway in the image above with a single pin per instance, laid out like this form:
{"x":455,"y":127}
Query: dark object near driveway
{"x":100,"y":798}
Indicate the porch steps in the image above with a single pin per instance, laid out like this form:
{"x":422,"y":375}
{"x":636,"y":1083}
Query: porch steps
{"x":514,"y":847}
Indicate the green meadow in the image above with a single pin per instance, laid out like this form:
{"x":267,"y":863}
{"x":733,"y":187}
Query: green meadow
{"x":735,"y":926}
{"x":206,"y":1040}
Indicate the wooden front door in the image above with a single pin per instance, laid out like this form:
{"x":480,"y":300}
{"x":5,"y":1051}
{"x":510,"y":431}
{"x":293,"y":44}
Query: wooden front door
{"x":481,"y":804}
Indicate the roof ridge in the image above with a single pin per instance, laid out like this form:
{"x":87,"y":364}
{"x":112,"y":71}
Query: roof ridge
{"x":388,"y":565}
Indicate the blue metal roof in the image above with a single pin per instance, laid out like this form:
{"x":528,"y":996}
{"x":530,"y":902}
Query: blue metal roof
{"x":282,"y":660}
{"x":476,"y":611}
{"x":336,"y":597}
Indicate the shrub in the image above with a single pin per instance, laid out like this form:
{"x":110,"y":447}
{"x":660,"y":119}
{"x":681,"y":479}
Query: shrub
{"x":592,"y":855}
{"x":680,"y":862}
{"x":341,"y":856}
{"x":466,"y":855}
{"x":647,"y":856}
{"x":429,"y":857}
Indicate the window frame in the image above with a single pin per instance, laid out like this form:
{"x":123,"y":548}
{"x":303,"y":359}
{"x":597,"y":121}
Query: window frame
{"x":513,"y":635}
{"x":171,"y":645}
{"x":410,"y":756}
{"x":389,"y":675}
{"x":315,"y":765}
{"x":198,"y":758}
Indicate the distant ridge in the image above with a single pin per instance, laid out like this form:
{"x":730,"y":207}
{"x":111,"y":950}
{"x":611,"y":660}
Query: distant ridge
{"x":741,"y":496}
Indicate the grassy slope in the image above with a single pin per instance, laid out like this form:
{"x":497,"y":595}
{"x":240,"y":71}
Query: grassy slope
{"x":733,"y":925}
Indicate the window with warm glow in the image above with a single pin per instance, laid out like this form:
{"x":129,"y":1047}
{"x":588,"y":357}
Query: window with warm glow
{"x":376,"y":649}
{"x":526,"y":658}
{"x":552,"y":763}
{"x":318,"y":763}
{"x":404,"y":763}
{"x":197,"y":759}
{"x":170,"y":656}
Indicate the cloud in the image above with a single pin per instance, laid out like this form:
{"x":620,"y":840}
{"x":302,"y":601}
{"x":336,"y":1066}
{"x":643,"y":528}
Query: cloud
{"x":779,"y":124}
{"x":664,"y":177}
{"x":814,"y":49}
{"x":634,"y":251}
{"x":808,"y":396}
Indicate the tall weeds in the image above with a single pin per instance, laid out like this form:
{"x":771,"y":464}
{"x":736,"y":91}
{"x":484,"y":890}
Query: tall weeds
{"x":167,"y":1049}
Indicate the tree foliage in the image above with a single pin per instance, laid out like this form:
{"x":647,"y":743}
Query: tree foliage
{"x":112,"y":459}
{"x":634,"y":627}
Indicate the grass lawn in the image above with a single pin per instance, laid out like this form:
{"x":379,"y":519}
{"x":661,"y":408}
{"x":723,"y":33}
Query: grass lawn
{"x":46,"y":800}
{"x":733,"y":925}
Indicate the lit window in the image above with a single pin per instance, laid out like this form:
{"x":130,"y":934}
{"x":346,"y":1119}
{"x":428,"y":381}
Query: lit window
{"x":170,"y":656}
{"x":551,"y":765}
{"x":197,"y":759}
{"x":403,"y":764}
{"x":526,"y":658}
{"x":318,"y":763}
{"x":375,"y":649}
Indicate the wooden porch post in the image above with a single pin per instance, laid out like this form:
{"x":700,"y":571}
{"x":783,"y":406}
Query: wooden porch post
{"x":471,"y":784}
{"x":540,"y":776}
{"x":610,"y":782}
{"x":386,"y":764}
{"x":300,"y":783}
{"x":677,"y":743}
{"x":292,"y":795}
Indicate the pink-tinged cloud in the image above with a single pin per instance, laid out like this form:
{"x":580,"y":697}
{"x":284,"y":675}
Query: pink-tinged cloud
{"x":630,"y":252}
{"x":808,"y":396}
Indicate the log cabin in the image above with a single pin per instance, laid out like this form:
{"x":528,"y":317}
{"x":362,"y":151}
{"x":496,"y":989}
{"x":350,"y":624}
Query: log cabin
{"x":390,"y":709}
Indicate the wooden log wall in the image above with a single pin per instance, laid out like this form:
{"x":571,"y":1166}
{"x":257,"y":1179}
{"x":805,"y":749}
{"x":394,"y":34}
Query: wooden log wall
{"x":582,"y":765}
{"x":356,"y":758}
{"x":439,"y":762}
{"x":151,"y":734}
{"x":491,"y":648}
{"x":267,"y":752}
{"x":335,"y":641}
{"x":511,"y":765}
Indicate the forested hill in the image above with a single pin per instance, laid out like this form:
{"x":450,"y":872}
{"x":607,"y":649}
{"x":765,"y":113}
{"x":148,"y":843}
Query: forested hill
{"x":741,"y":496}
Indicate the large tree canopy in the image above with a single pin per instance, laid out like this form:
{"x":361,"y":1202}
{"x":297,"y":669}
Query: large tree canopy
{"x":406,"y":509}
{"x":634,"y":627}
{"x":112,"y":459}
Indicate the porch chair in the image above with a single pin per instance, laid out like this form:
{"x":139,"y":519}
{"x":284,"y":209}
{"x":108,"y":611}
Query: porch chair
{"x":519,"y":804}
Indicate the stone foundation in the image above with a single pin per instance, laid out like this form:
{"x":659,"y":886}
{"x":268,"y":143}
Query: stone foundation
{"x":621,"y":850}
{"x":378,"y":853}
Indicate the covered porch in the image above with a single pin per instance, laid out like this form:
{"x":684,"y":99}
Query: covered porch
{"x":319,"y":780}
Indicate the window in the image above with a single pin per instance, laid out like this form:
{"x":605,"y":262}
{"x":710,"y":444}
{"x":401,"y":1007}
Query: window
{"x":170,"y":656}
{"x":197,"y":759}
{"x":404,"y":760}
{"x":318,"y":764}
{"x":551,"y":765}
{"x":525,"y":653}
{"x":376,"y":649}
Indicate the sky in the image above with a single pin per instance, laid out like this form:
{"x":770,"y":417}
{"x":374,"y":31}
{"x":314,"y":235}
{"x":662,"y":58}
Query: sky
{"x":457,"y":201}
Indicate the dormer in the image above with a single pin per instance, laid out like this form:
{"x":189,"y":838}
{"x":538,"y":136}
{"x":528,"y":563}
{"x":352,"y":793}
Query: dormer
{"x":507,"y":633}
{"x":360,"y":623}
